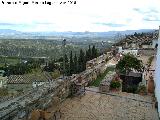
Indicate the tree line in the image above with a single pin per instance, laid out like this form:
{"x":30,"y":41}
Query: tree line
{"x":77,"y":63}
{"x":74,"y":63}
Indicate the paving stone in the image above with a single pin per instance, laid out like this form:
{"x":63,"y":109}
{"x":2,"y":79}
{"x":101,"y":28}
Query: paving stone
{"x":103,"y":107}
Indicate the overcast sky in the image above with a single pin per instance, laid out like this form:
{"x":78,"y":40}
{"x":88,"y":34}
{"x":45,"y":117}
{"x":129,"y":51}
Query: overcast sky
{"x":86,"y":15}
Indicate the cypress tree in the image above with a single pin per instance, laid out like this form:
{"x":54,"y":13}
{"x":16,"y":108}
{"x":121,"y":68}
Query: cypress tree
{"x":66,"y":65}
{"x":89,"y":53}
{"x":81,"y":61}
{"x":71,"y":64}
{"x":75,"y":64}
{"x":93,"y":52}
{"x":96,"y":53}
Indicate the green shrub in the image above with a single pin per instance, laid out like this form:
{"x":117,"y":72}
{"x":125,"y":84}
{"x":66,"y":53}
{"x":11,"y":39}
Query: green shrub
{"x":142,"y":89}
{"x":150,"y":59}
{"x":107,"y":59}
{"x":3,"y":92}
{"x":115,"y":84}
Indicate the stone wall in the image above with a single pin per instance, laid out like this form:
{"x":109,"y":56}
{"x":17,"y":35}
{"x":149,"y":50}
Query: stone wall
{"x":105,"y":83}
{"x":40,"y":97}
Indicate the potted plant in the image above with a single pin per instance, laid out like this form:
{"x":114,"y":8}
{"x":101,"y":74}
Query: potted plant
{"x":142,"y":90}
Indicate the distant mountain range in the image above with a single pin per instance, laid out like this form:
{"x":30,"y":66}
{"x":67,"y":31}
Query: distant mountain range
{"x":9,"y":33}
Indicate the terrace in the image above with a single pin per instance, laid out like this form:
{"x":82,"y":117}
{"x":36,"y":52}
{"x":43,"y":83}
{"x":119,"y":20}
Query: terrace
{"x":95,"y":106}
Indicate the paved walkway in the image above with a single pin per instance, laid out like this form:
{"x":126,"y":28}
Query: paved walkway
{"x":95,"y":106}
{"x":136,"y":97}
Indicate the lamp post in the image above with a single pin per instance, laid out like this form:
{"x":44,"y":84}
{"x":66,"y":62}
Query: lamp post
{"x":63,"y":45}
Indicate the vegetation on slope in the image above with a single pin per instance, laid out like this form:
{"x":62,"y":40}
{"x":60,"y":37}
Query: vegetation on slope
{"x":73,"y":64}
{"x":100,"y":77}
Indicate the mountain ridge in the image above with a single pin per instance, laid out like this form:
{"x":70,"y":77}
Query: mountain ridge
{"x":15,"y":34}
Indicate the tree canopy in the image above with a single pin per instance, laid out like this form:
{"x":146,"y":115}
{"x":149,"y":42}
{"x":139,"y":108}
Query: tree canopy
{"x":128,"y":63}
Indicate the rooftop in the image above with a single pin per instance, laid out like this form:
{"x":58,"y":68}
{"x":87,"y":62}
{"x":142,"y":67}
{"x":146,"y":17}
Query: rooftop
{"x":134,"y":74}
{"x":28,"y":78}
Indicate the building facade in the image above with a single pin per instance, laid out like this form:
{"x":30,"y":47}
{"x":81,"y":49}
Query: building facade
{"x":157,"y":75}
{"x":126,"y":51}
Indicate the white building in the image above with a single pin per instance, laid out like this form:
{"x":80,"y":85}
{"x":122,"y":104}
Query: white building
{"x":157,"y":75}
{"x":126,"y":51}
{"x":37,"y":83}
{"x":3,"y":81}
{"x":154,"y":42}
{"x":147,"y":46}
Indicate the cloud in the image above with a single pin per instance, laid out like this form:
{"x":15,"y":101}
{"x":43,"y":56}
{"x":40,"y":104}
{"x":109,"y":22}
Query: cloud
{"x":154,"y":11}
{"x":16,"y":26}
{"x":138,"y":10}
{"x":111,"y":24}
{"x":12,"y":25}
{"x":151,"y":18}
{"x":146,"y":11}
{"x":8,"y":24}
{"x":86,"y":15}
{"x":43,"y":23}
{"x":148,"y":14}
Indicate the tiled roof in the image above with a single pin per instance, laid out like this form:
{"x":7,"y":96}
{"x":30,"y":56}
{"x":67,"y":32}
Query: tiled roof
{"x":134,"y":74}
{"x":28,"y":79}
{"x":19,"y":79}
